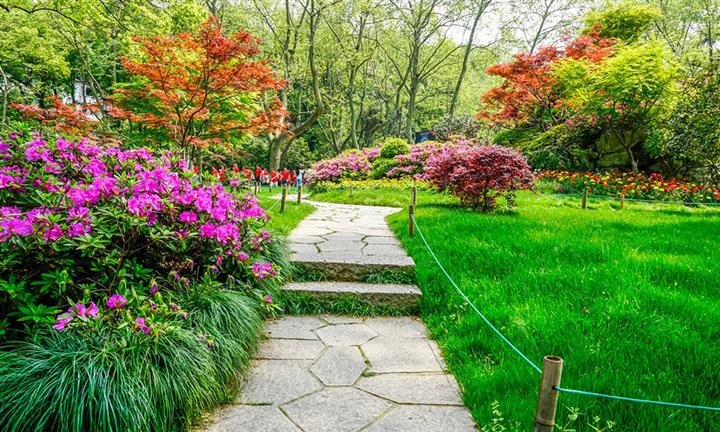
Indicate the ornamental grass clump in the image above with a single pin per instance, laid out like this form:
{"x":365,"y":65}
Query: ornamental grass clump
{"x":131,"y":287}
{"x":479,"y":175}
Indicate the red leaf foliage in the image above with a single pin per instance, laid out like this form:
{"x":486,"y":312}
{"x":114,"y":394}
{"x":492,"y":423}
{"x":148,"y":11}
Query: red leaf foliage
{"x":60,"y":116}
{"x":527,"y":90}
{"x":479,"y":175}
{"x":201,"y":87}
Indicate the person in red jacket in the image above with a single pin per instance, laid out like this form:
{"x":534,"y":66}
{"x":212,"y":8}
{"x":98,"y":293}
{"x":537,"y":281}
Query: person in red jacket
{"x":285,"y":177}
{"x":258,"y":173}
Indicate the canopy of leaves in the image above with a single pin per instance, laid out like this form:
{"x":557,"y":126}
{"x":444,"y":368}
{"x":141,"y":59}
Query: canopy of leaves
{"x":200,"y":88}
{"x":626,"y":21}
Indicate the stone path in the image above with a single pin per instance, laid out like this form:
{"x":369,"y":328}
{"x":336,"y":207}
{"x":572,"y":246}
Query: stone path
{"x":344,"y":374}
{"x":347,"y":374}
{"x":347,"y":242}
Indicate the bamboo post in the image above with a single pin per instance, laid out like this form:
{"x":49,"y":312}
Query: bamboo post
{"x":584,"y":199}
{"x":299,"y":197}
{"x":622,"y":201}
{"x":282,"y":200}
{"x":257,"y":188}
{"x":413,"y":200}
{"x":548,"y":396}
{"x":411,"y":224}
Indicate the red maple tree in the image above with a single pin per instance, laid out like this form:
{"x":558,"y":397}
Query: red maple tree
{"x":201,"y":88}
{"x":527,"y":92}
{"x":59,"y":116}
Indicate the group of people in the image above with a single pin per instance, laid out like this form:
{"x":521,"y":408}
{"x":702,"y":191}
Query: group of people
{"x":262,"y":176}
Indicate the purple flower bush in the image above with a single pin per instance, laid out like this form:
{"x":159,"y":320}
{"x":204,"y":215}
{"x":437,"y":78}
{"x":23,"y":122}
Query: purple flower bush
{"x":80,"y":220}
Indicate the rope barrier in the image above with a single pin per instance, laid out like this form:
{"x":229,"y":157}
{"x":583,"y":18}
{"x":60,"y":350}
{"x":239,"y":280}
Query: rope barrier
{"x":273,"y":206}
{"x":628,"y":399}
{"x":471,"y":304}
{"x":530,"y":362}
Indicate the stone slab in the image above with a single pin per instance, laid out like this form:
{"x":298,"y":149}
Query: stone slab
{"x":375,"y":294}
{"x":336,"y":409}
{"x":277,"y":382}
{"x":352,"y":242}
{"x":293,"y":327}
{"x":430,"y":389}
{"x":346,"y":334}
{"x":241,"y":418}
{"x":339,"y":366}
{"x":290,"y":349}
{"x":423,"y":418}
{"x":388,"y":355}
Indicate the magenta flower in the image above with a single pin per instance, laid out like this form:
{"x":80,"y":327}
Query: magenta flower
{"x":267,"y":300}
{"x":141,"y":325}
{"x":263,"y":270}
{"x":116,"y":301}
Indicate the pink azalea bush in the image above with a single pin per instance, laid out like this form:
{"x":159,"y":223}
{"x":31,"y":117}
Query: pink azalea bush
{"x":80,"y":219}
{"x":352,"y":164}
{"x":413,"y":163}
{"x":479,"y":175}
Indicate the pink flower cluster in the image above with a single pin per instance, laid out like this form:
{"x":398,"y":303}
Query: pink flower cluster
{"x":263,"y":270}
{"x":414,"y":162}
{"x":352,"y":163}
{"x":54,"y":190}
{"x":76,"y":310}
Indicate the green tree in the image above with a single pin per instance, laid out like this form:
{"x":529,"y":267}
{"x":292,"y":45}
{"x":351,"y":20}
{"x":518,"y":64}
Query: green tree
{"x":622,"y":95}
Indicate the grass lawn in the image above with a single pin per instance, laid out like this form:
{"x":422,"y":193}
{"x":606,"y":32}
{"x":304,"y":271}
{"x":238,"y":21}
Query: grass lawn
{"x":630,"y":299}
{"x":284,"y":222}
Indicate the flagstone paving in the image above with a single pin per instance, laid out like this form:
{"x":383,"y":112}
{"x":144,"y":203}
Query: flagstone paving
{"x":348,"y":242}
{"x":342,"y":374}
{"x":348,"y":374}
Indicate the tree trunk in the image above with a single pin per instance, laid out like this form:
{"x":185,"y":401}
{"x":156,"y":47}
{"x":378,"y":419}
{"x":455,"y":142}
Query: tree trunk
{"x":466,"y":57}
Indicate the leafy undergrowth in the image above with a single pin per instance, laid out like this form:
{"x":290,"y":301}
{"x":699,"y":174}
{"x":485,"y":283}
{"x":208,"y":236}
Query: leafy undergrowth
{"x":627,"y":297}
{"x":68,"y":382}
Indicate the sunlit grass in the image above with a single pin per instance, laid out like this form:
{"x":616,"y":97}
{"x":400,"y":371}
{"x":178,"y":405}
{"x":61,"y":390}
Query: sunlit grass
{"x":629,"y":298}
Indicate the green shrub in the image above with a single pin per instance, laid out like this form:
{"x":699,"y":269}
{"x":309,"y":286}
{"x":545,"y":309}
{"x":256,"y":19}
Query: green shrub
{"x":381,"y":166}
{"x":562,"y":148}
{"x":392,"y":147}
{"x":115,"y":380}
{"x":513,"y":137}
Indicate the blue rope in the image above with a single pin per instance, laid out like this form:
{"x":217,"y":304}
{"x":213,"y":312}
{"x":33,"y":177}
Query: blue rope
{"x":530,"y":362}
{"x":642,"y":401}
{"x":273,"y":206}
{"x":467,"y":300}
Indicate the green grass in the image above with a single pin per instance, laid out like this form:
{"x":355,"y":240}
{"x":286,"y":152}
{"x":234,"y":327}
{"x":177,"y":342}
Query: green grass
{"x":284,"y":222}
{"x":629,"y":298}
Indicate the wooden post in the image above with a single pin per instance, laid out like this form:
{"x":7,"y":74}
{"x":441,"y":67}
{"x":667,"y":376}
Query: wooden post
{"x":257,"y":188}
{"x":411,"y":223}
{"x":413,"y":199}
{"x":299,"y":198}
{"x":548,"y":396}
{"x":622,"y":201}
{"x":282,"y":200}
{"x":584,"y":199}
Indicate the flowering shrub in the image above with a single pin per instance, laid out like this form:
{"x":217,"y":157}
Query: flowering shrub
{"x":79,"y":218}
{"x":413,"y":163}
{"x":479,"y":175}
{"x":350,"y":164}
{"x":635,"y":186}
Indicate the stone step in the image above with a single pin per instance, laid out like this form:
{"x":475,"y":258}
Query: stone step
{"x":375,"y":294}
{"x":352,"y":268}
